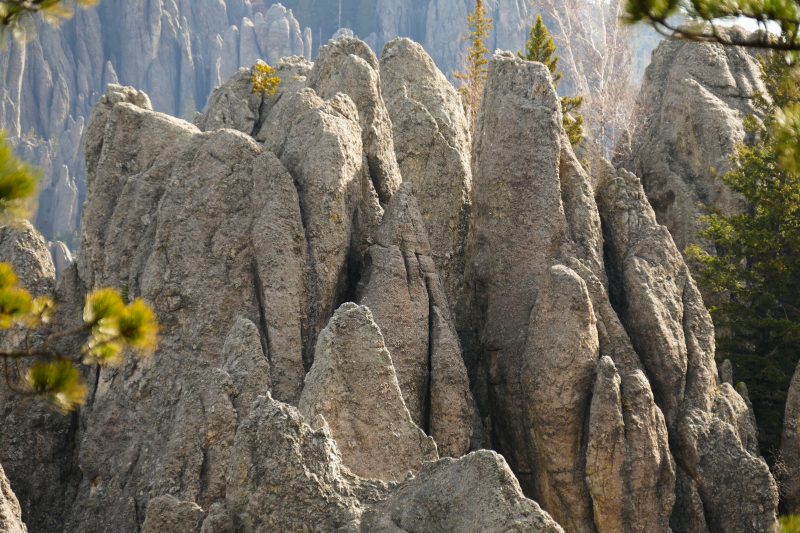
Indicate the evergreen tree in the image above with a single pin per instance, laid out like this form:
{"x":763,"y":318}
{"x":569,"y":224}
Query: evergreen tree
{"x":757,"y":265}
{"x":540,"y":47}
{"x":474,"y":77}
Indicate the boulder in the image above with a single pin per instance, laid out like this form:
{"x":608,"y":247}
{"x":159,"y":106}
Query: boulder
{"x":10,"y":513}
{"x":348,"y":66}
{"x":790,"y":446}
{"x":353,"y":386}
{"x":432,"y":144}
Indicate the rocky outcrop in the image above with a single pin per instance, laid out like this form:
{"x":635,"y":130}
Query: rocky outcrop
{"x":689,"y":119}
{"x":711,"y":427}
{"x":61,"y":256}
{"x":26,"y":251}
{"x":10,"y":514}
{"x":610,"y":276}
{"x":790,"y":446}
{"x":401,"y":286}
{"x":432,"y":143}
{"x":353,"y":386}
{"x":36,"y":445}
{"x":474,"y":493}
{"x":348,"y":66}
{"x":628,"y":440}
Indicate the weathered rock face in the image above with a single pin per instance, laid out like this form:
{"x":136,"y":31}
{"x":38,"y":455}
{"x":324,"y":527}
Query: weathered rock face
{"x":628,"y":439}
{"x":10,"y":514}
{"x":538,"y":257}
{"x":401,"y":286}
{"x":689,"y":117}
{"x":672,"y":332}
{"x":348,"y":66}
{"x":475,"y":493}
{"x":790,"y":446}
{"x":353,"y":385}
{"x":432,"y":143}
{"x":168,"y":515}
{"x":36,"y":445}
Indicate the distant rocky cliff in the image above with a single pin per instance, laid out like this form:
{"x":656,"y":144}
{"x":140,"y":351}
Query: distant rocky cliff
{"x":347,"y":295}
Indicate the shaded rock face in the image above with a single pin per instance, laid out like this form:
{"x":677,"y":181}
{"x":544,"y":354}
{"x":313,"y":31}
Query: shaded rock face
{"x":790,"y":446}
{"x":353,"y":386}
{"x":10,"y":514}
{"x":556,"y":281}
{"x":689,"y":118}
{"x":432,"y":143}
{"x":176,"y":51}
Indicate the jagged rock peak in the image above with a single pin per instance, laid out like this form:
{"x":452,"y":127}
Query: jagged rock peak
{"x":353,"y":386}
{"x":432,"y":144}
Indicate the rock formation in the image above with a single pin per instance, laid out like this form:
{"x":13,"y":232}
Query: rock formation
{"x":689,"y":118}
{"x":176,"y":51}
{"x":348,"y":65}
{"x":432,"y":143}
{"x":401,"y":286}
{"x":529,"y":287}
{"x":790,"y":446}
{"x":353,"y":386}
{"x":254,"y":233}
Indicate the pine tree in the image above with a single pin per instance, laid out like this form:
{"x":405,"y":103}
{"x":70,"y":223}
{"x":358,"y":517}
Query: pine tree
{"x":540,"y":47}
{"x":474,"y":78}
{"x":757,"y":264}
